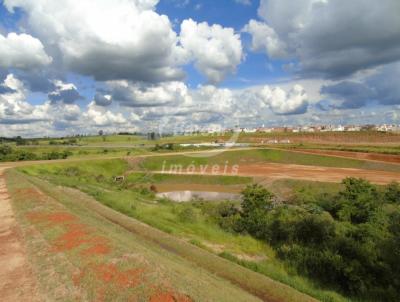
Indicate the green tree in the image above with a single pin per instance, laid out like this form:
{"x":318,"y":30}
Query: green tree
{"x":256,"y":202}
{"x":392,"y":193}
{"x":315,"y":229}
{"x":358,"y":201}
{"x":228,"y":217}
{"x":5,"y":150}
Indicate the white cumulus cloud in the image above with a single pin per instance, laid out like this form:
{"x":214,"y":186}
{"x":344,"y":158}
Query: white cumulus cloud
{"x":216,"y":50}
{"x":107,"y":39}
{"x":283,"y":102}
{"x":22,"y":51}
{"x":144,"y":95}
{"x":98,"y":116}
{"x":264,"y":38}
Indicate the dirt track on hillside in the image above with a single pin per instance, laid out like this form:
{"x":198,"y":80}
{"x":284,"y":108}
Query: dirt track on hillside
{"x":387,"y":158}
{"x":17,"y":282}
{"x":284,"y":171}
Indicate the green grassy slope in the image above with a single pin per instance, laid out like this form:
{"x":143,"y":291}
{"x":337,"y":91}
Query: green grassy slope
{"x":183,"y":266}
{"x":66,"y":272}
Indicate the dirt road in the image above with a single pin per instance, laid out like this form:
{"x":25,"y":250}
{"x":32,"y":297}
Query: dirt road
{"x":17,"y":282}
{"x":378,"y":157}
{"x":281,"y":171}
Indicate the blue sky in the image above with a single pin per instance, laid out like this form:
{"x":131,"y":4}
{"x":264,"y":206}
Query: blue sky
{"x":228,"y":13}
{"x":132,"y":65}
{"x":214,"y":12}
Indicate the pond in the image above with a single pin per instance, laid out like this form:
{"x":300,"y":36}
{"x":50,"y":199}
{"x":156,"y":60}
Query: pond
{"x":186,"y":196}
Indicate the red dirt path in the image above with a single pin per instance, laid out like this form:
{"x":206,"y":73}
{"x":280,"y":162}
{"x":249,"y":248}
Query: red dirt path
{"x":17,"y":282}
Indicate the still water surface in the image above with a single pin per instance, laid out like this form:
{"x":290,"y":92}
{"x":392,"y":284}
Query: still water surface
{"x":186,"y":196}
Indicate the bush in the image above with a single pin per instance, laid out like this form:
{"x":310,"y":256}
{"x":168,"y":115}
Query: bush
{"x":392,"y":193}
{"x":5,"y":150}
{"x":315,"y":229}
{"x":72,"y":171}
{"x":56,"y":155}
{"x":187,"y":215}
{"x":256,"y":201}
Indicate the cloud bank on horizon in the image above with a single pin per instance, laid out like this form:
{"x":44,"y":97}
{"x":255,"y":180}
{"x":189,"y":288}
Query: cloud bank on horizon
{"x":70,"y":66}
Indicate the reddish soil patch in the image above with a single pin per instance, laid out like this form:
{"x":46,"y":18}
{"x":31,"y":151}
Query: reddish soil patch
{"x":169,"y":297}
{"x":109,"y":273}
{"x":325,"y":174}
{"x":110,"y":276}
{"x":389,"y":158}
{"x":60,"y":218}
{"x":98,"y":249}
{"x":75,"y":236}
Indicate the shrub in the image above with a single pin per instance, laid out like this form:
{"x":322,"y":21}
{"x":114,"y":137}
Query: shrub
{"x":72,"y":171}
{"x":392,"y":193}
{"x":256,"y":202}
{"x":187,"y":215}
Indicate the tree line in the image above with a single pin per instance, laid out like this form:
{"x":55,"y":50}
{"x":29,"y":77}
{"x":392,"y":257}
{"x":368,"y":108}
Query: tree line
{"x":348,"y":241}
{"x":8,"y":154}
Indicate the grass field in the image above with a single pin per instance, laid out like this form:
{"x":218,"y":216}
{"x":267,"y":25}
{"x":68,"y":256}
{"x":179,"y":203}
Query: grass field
{"x":80,"y":151}
{"x":134,"y":200}
{"x":380,"y":149}
{"x":372,"y":138}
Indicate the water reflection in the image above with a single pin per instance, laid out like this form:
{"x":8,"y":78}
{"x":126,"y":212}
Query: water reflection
{"x":186,"y":196}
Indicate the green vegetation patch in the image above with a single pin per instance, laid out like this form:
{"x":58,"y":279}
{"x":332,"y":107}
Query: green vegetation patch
{"x":11,"y":154}
{"x":187,"y":179}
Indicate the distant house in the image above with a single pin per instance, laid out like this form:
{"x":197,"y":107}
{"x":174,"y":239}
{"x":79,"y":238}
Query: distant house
{"x":352,"y":128}
{"x":307,"y":129}
{"x":249,"y":130}
{"x":339,"y":128}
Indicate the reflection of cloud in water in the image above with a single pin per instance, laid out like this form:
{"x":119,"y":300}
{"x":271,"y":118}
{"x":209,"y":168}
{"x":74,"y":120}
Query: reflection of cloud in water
{"x":186,"y":196}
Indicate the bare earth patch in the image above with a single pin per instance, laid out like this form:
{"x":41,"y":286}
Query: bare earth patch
{"x":17,"y":282}
{"x":275,"y":171}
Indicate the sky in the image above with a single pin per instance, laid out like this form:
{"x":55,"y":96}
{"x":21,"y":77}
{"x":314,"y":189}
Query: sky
{"x":77,"y":66}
